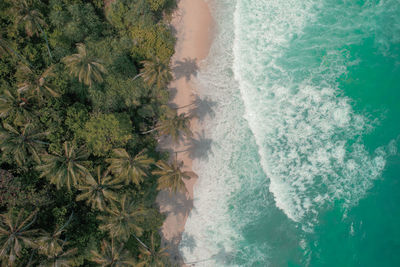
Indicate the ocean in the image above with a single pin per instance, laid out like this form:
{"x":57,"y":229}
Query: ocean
{"x":303,"y":120}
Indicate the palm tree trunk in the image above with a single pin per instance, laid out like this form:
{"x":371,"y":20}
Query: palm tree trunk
{"x":141,"y":243}
{"x":152,"y":130}
{"x":137,"y":76}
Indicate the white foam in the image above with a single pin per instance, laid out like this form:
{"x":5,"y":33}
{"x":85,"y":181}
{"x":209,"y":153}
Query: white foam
{"x":302,"y":132}
{"x":306,"y":132}
{"x":210,"y":239}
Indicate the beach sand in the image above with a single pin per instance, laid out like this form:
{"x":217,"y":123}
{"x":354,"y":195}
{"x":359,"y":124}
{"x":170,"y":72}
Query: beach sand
{"x":193,"y":24}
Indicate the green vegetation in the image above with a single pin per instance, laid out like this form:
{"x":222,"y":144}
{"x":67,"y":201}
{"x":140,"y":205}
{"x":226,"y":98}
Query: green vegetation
{"x":171,"y":176}
{"x":83,"y":102}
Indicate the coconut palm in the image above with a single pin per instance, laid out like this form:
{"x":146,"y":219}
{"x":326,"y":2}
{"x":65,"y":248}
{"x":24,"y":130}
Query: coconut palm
{"x":171,"y":176}
{"x":156,"y":72}
{"x":129,"y":168}
{"x":153,"y":256}
{"x":65,"y":168}
{"x":5,"y":47}
{"x":112,"y":255}
{"x":32,"y":19}
{"x":22,"y":143}
{"x":123,"y":220}
{"x":15,"y":233}
{"x":37,"y":84}
{"x":98,"y":192}
{"x":85,"y":67}
{"x":50,"y":244}
{"x":174,"y":126}
{"x":61,"y":259}
{"x":11,"y":104}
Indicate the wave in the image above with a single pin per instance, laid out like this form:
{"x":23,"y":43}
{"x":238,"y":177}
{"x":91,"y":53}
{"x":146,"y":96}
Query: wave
{"x":210,"y":238}
{"x":287,"y":60}
{"x":286,"y":142}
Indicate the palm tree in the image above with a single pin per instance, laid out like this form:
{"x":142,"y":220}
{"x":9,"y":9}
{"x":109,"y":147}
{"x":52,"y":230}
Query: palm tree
{"x":14,"y":234}
{"x":112,"y":255}
{"x":61,"y":259}
{"x":37,"y":84}
{"x":152,"y":256}
{"x":100,"y":191}
{"x":156,"y":72}
{"x":32,"y":20}
{"x":171,"y":176}
{"x":5,"y":48}
{"x":12,"y":104}
{"x":66,"y":168}
{"x":50,"y":244}
{"x":21,"y":144}
{"x":174,"y":126}
{"x":129,"y":168}
{"x":85,"y":67}
{"x":123,"y":220}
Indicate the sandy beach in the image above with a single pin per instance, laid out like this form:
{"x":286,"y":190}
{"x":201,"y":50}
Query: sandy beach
{"x":193,"y":23}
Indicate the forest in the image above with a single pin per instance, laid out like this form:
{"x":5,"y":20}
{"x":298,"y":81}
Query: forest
{"x":83,"y":103}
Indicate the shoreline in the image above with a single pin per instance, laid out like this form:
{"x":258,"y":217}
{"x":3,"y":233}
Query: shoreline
{"x":193,"y":24}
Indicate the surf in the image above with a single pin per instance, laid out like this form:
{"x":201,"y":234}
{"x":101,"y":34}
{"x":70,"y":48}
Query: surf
{"x":309,"y":137}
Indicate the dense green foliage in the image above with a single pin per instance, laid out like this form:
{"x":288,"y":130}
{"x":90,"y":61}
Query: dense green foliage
{"x":83,"y":101}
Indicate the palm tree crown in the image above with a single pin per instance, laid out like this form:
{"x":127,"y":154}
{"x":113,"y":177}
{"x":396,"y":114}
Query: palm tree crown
{"x":171,"y":176}
{"x":51,"y":244}
{"x":12,"y":104}
{"x":156,"y":72}
{"x":37,"y":84}
{"x":86,"y":68}
{"x":129,"y":168}
{"x":174,"y":126}
{"x":66,"y":168}
{"x":5,"y":48}
{"x":123,"y":220}
{"x":61,"y":259}
{"x":32,"y":19}
{"x":21,"y":143}
{"x":98,"y":192}
{"x":112,"y":255}
{"x":14,"y":234}
{"x":153,"y":256}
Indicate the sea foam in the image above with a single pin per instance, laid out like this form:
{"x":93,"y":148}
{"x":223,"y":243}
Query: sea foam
{"x":210,"y":237}
{"x":286,"y":141}
{"x":309,"y":137}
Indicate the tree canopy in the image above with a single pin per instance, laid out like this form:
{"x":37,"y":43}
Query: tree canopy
{"x":79,"y":83}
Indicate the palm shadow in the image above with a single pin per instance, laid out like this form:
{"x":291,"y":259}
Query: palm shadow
{"x":185,"y":68}
{"x":172,"y":91}
{"x":188,"y":241}
{"x":199,"y":146}
{"x":203,"y":107}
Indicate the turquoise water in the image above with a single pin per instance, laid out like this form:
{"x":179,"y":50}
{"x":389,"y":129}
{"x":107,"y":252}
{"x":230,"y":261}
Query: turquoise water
{"x":304,"y":168}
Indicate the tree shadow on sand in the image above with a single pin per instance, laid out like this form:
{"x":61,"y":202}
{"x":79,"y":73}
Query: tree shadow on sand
{"x":203,"y":107}
{"x":188,"y":241}
{"x":185,"y":68}
{"x":199,"y":147}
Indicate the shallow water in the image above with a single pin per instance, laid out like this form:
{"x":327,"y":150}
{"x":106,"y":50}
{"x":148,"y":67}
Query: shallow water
{"x":303,"y":166}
